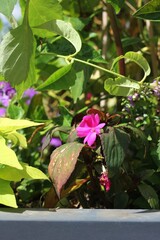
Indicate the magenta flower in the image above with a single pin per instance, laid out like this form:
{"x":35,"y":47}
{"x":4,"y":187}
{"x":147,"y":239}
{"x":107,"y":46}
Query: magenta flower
{"x":104,"y":181}
{"x":90,"y":128}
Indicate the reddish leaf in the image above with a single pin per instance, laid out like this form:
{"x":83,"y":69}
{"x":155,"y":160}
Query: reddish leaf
{"x":62,"y":164}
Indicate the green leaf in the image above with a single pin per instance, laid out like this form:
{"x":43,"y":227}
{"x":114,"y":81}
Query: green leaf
{"x":6,"y":194}
{"x":28,"y":172}
{"x":150,"y":10}
{"x":8,"y":125}
{"x":116,"y":4}
{"x":65,"y":30}
{"x":158,"y":149}
{"x":41,"y":11}
{"x":120,"y":86}
{"x":62,"y":164}
{"x":54,"y":77}
{"x":8,"y":156}
{"x":17,"y":51}
{"x":114,"y":145}
{"x":7,"y":6}
{"x":15,"y":112}
{"x":83,"y":73}
{"x":149,"y":194}
{"x":138,"y":59}
{"x":17,"y":139}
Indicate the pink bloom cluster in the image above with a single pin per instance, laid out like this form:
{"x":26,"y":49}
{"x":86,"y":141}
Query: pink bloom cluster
{"x":104,"y":181}
{"x":89,"y":128}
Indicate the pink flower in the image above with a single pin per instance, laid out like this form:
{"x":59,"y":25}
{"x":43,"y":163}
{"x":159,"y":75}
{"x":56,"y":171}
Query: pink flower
{"x":104,"y":181}
{"x":90,"y":128}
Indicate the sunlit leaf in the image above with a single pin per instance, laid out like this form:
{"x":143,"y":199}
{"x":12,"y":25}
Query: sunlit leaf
{"x":114,"y":145}
{"x":8,"y":125}
{"x":7,"y":6}
{"x":65,"y":30}
{"x":17,"y":51}
{"x":8,"y":156}
{"x":7,"y":197}
{"x":13,"y":174}
{"x":41,"y":11}
{"x":138,"y":59}
{"x":120,"y":86}
{"x":17,"y":139}
{"x":62,"y":164}
{"x":150,"y":10}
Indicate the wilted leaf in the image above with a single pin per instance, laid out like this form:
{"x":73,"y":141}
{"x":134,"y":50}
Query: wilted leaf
{"x":114,"y":145}
{"x":150,"y":10}
{"x":6,"y":194}
{"x":62,"y":163}
{"x":8,"y":156}
{"x":149,"y":194}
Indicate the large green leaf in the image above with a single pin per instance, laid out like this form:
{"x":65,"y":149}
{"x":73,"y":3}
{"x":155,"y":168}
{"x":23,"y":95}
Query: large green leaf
{"x":41,"y":11}
{"x":13,"y":174}
{"x":149,"y":194}
{"x":120,"y":86}
{"x":150,"y":10}
{"x":6,"y":194}
{"x":65,"y":30}
{"x":8,"y":156}
{"x":116,"y":4}
{"x":54,"y":77}
{"x":16,"y":51}
{"x":114,"y":145}
{"x":7,"y":6}
{"x":8,"y":125}
{"x":62,"y":164}
{"x":83,"y":73}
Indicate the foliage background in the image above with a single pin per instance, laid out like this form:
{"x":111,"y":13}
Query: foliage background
{"x":70,"y":52}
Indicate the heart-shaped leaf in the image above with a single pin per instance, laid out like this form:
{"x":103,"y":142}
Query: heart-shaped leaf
{"x":17,"y":56}
{"x":120,"y":86}
{"x":114,"y":145}
{"x":62,"y":164}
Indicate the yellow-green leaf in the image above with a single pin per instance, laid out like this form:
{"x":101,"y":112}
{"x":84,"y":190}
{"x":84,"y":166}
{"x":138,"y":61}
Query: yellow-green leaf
{"x":6,"y":194}
{"x":8,"y":156}
{"x":8,"y":125}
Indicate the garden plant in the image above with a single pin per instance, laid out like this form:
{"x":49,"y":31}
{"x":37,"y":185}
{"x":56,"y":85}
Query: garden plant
{"x":80,"y":104}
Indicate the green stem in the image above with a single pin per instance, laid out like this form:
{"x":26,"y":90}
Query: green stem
{"x":98,"y":67}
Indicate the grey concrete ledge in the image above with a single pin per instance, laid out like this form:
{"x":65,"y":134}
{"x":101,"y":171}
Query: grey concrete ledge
{"x":79,"y":224}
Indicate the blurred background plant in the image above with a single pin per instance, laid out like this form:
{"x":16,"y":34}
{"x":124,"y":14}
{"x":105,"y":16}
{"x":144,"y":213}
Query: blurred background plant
{"x":68,"y":66}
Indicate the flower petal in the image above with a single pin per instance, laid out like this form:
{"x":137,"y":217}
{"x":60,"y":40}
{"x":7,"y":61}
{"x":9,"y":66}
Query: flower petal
{"x":90,"y":138}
